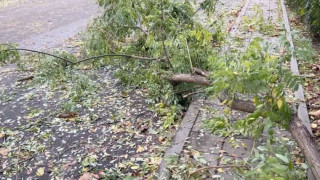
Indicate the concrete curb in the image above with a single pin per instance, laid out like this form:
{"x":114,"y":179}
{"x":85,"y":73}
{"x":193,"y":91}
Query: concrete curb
{"x":180,"y":138}
{"x":299,"y":94}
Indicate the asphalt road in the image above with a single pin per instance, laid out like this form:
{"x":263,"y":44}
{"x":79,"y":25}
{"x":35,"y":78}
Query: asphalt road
{"x":41,"y":24}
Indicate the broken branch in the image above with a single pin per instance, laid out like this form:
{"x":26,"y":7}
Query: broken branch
{"x":214,"y":167}
{"x":25,"y":79}
{"x":239,"y":104}
{"x":201,"y":72}
{"x":188,"y":78}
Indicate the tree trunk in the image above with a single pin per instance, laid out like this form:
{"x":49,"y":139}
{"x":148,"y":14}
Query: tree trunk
{"x":307,"y":145}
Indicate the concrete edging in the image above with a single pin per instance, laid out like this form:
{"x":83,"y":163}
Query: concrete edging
{"x":180,"y":138}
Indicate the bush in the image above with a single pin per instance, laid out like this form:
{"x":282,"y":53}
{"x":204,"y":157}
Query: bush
{"x":310,"y":11}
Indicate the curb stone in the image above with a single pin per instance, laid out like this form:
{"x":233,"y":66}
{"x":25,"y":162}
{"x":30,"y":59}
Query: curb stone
{"x":180,"y":138}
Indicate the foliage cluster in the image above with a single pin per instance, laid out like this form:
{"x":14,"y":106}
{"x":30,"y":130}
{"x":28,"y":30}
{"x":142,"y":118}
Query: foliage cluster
{"x":310,"y":11}
{"x":164,"y":30}
{"x":8,"y":56}
{"x":169,"y":40}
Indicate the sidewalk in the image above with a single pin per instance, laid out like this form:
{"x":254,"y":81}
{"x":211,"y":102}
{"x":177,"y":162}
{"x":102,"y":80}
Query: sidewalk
{"x":216,"y":150}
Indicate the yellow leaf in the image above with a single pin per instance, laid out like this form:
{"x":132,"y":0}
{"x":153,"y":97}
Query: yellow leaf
{"x":275,"y":93}
{"x":2,"y":135}
{"x":285,"y":139}
{"x":134,"y":167}
{"x":315,"y":113}
{"x":195,"y":153}
{"x":314,"y":126}
{"x":140,"y":149}
{"x":4,"y":151}
{"x":225,"y":102}
{"x":227,"y":111}
{"x":244,"y":145}
{"x":40,"y":171}
{"x":220,"y":170}
{"x":121,"y":165}
{"x":280,"y":103}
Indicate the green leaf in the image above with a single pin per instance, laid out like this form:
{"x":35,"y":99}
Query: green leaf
{"x":283,"y":158}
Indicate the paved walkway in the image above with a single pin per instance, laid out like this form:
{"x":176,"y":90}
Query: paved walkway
{"x":217,"y":150}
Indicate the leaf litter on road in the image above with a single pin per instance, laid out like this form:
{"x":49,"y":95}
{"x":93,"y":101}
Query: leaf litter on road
{"x":114,"y":131}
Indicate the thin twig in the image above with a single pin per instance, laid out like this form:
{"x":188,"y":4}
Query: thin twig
{"x":118,"y":55}
{"x":137,"y":27}
{"x":190,"y":61}
{"x":186,"y":90}
{"x":40,"y":52}
{"x":87,"y":59}
{"x":192,"y":93}
{"x":18,"y":163}
{"x":251,"y":152}
{"x":214,"y":167}
{"x":163,"y":36}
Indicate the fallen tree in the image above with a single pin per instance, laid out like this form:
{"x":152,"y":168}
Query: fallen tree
{"x":298,"y":131}
{"x":167,"y":29}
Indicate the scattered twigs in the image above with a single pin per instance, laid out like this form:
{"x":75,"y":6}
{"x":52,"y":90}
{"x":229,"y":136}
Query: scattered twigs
{"x":215,"y":167}
{"x":25,"y":79}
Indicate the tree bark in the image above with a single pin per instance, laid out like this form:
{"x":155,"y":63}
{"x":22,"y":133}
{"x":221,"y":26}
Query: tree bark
{"x":298,"y":131}
{"x":239,"y":104}
{"x":307,"y":145}
{"x":201,"y":72}
{"x":188,"y":78}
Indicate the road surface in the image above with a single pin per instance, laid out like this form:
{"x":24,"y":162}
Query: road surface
{"x":41,"y":24}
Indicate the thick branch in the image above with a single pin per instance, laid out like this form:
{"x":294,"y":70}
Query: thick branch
{"x":238,"y":104}
{"x":188,"y":78}
{"x":25,"y":79}
{"x":307,"y":144}
{"x":215,"y":167}
{"x":137,"y":27}
{"x":299,"y":132}
{"x":201,"y":72}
